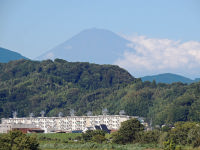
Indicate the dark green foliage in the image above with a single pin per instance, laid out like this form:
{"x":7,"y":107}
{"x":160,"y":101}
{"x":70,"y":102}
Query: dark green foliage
{"x":148,"y":136}
{"x":169,"y":145}
{"x":179,"y":134}
{"x":128,"y":131}
{"x":30,"y":86}
{"x":16,"y":140}
{"x":97,"y":136}
{"x":183,"y":133}
{"x":165,"y":128}
{"x":194,"y":136}
{"x":56,"y":86}
{"x":196,"y":142}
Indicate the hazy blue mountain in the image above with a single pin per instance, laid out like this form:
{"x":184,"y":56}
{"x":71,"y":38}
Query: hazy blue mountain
{"x":8,"y":55}
{"x":92,"y":45}
{"x":197,"y":80}
{"x":168,"y":78}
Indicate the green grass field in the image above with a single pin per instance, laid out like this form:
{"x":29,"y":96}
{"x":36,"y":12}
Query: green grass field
{"x":62,"y":141}
{"x":94,"y":146}
{"x":57,"y":136}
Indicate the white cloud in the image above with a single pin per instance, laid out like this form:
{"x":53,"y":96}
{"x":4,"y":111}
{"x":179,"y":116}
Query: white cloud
{"x":152,"y":56}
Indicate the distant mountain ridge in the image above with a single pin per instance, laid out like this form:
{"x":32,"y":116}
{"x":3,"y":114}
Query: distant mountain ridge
{"x":169,"y":78}
{"x":92,"y":45}
{"x":8,"y":55}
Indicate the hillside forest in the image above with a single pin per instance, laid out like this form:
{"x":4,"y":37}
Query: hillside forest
{"x":57,"y":86}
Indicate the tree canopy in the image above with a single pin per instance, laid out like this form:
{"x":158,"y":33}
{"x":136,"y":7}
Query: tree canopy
{"x":16,"y":140}
{"x":128,"y":131}
{"x":58,"y":86}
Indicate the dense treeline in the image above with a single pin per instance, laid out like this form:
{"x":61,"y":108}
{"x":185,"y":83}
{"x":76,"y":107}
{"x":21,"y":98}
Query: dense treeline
{"x":131,"y":135}
{"x":132,"y":131}
{"x":31,"y":86}
{"x":57,"y":86}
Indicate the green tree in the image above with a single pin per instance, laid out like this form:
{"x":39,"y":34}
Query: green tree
{"x":128,"y":131}
{"x":194,"y":136}
{"x":148,"y":136}
{"x":16,"y":140}
{"x":94,"y":135}
{"x":179,"y":134}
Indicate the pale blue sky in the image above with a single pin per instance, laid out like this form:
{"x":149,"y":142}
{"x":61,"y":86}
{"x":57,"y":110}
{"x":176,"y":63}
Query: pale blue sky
{"x":167,"y":31}
{"x":32,"y":27}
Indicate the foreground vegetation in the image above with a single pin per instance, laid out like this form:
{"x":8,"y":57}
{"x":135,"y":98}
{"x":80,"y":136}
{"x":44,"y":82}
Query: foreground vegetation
{"x":130,"y":136}
{"x":16,"y":140}
{"x":57,"y":86}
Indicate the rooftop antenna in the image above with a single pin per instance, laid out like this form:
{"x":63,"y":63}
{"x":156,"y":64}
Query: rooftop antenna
{"x":60,"y":114}
{"x":14,"y":114}
{"x":72,"y":112}
{"x":42,"y":113}
{"x":31,"y":115}
{"x":89,"y":113}
{"x":122,"y":112}
{"x":105,"y":111}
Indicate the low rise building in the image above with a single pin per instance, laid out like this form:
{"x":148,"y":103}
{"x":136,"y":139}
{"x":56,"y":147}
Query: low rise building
{"x":25,"y":128}
{"x":69,"y":123}
{"x":5,"y":128}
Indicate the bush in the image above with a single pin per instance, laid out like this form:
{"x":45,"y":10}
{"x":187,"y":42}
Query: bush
{"x":16,"y":140}
{"x":128,"y":131}
{"x":169,"y":145}
{"x":196,"y":143}
{"x":194,"y":135}
{"x":95,"y":136}
{"x":98,"y":138}
{"x":117,"y":138}
{"x":181,"y":131}
{"x":148,"y":136}
{"x":165,"y":128}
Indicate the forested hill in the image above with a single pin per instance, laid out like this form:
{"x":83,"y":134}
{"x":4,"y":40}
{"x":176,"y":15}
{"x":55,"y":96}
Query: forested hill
{"x":58,"y":86}
{"x":8,"y":55}
{"x":85,"y":75}
{"x":31,"y":86}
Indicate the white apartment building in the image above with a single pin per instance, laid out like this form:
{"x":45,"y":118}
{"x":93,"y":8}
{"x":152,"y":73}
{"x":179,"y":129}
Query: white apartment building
{"x":68,"y":123}
{"x":4,"y":128}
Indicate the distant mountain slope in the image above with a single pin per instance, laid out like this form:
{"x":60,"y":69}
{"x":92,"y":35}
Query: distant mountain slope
{"x":92,"y":45}
{"x":8,"y":55}
{"x":167,"y":78}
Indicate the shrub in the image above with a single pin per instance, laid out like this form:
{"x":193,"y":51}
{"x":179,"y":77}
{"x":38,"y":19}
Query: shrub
{"x":128,"y":131}
{"x":148,"y":136}
{"x":196,"y":143}
{"x":96,"y":136}
{"x":169,"y":145}
{"x":16,"y":140}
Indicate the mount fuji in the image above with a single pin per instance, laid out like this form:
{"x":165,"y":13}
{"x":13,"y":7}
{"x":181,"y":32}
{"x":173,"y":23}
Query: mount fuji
{"x":92,"y":45}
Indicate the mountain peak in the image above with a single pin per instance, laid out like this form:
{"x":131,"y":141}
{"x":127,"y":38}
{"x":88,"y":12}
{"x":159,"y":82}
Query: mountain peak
{"x":96,"y":31}
{"x":91,"y":45}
